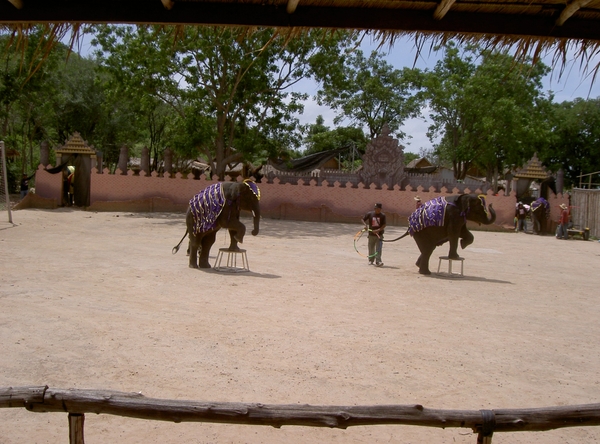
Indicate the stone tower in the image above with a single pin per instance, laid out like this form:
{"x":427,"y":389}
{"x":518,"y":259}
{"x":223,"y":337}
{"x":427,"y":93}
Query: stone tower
{"x":383,"y":162}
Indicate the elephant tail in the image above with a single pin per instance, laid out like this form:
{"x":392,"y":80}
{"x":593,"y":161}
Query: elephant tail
{"x":176,"y":247}
{"x":398,"y":238}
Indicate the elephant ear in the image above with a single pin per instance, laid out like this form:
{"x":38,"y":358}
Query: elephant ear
{"x":253,"y":187}
{"x":481,"y":198}
{"x":463,"y":202}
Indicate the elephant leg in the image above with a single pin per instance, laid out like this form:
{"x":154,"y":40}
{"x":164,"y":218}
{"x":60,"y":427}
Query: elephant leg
{"x":424,"y":261}
{"x":207,"y":242}
{"x":426,"y":247}
{"x":193,"y":250}
{"x":236,"y":235}
{"x":466,"y":238}
{"x":237,"y":231}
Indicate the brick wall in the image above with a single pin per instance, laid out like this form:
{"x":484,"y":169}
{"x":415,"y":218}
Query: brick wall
{"x":306,"y":200}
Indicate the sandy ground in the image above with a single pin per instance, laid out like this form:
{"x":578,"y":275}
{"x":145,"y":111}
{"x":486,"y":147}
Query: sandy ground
{"x":97,"y":300}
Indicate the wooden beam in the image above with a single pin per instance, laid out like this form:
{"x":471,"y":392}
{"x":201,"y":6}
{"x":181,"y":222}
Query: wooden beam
{"x":291,"y":6}
{"x":135,"y":405}
{"x":168,"y":4}
{"x":17,"y":3}
{"x":571,"y":9}
{"x":442,"y":9}
{"x":255,"y":14}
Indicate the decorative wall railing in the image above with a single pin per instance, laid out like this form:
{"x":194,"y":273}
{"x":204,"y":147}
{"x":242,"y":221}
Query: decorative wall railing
{"x":308,"y":198}
{"x":134,"y":405}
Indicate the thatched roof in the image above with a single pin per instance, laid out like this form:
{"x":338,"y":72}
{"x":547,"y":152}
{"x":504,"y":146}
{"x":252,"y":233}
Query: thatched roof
{"x":577,"y":19}
{"x":534,"y":26}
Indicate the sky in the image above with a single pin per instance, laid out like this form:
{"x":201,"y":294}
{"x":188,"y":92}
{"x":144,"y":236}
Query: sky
{"x":566,"y":87}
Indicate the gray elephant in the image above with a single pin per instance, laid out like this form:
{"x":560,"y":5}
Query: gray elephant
{"x":218,"y":206}
{"x":444,"y":219}
{"x":540,"y":215}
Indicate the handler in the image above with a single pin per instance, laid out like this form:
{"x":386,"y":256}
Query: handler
{"x":375,"y":222}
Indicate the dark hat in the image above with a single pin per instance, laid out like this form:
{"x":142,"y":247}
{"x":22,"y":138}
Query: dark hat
{"x":378,"y":205}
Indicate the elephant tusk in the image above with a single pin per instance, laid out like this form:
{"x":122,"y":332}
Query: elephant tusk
{"x":253,"y":215}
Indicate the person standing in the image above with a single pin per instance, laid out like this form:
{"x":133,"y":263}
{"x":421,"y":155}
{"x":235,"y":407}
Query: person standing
{"x":564,"y":222}
{"x":375,"y":222}
{"x":25,"y":185}
{"x":521,"y":214}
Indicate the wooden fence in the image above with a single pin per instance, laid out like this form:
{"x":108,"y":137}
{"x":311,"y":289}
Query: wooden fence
{"x":585,"y":210}
{"x":134,"y":405}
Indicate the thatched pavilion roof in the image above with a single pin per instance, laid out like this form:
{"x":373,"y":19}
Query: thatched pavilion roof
{"x":530,"y":27}
{"x":576,"y":19}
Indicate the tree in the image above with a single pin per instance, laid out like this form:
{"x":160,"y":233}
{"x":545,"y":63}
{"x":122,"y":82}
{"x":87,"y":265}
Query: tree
{"x":369,"y":92}
{"x":488,"y":114}
{"x":24,"y":71}
{"x":575,"y":144}
{"x":320,"y":138}
{"x":229,"y":92}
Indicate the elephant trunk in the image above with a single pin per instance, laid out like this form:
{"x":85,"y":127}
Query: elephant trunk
{"x":492,"y":217}
{"x":256,"y":216}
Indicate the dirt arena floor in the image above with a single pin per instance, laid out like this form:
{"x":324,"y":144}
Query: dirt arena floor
{"x":97,"y":301}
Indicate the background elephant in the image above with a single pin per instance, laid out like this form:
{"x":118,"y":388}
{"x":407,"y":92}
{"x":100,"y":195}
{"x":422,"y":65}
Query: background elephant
{"x":218,"y":206}
{"x":444,"y":219}
{"x":540,"y":215}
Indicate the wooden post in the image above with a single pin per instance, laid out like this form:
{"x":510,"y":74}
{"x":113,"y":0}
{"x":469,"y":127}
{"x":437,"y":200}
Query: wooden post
{"x":76,"y":421}
{"x":487,"y":427}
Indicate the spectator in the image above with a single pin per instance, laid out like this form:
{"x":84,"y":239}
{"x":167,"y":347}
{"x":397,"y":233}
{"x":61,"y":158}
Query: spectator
{"x":521,"y":214}
{"x":25,"y":185}
{"x":563,"y":228}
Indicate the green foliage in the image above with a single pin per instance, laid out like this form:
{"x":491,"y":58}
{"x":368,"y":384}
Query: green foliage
{"x":409,"y":157}
{"x":490,"y":114}
{"x":575,"y":145}
{"x":229,"y":94}
{"x":320,"y":138}
{"x":369,"y":92}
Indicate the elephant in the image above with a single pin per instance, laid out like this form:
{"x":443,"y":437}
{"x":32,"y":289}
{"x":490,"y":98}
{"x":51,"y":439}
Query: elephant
{"x":444,"y":219}
{"x":218,"y":206}
{"x":540,"y":215}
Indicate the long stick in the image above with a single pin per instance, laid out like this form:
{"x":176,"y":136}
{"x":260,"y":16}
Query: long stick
{"x":135,"y":405}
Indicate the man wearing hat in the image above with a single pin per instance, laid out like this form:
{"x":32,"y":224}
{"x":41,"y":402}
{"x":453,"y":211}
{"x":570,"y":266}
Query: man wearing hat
{"x":563,"y":232}
{"x":375,"y":222}
{"x":419,"y":203}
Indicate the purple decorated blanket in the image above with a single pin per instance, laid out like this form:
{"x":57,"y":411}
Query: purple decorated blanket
{"x":430,"y":214}
{"x":206,"y":207}
{"x":541,"y":203}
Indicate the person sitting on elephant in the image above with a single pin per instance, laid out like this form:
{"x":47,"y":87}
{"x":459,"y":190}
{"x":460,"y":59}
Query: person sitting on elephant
{"x":418,"y":202}
{"x":375,"y":222}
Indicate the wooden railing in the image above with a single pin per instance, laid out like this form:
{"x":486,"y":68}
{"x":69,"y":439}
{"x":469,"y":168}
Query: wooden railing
{"x":134,"y":405}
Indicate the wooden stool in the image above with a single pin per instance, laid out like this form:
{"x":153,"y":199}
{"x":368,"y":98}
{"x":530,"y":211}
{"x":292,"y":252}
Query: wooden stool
{"x":231,"y":263}
{"x":446,"y":258}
